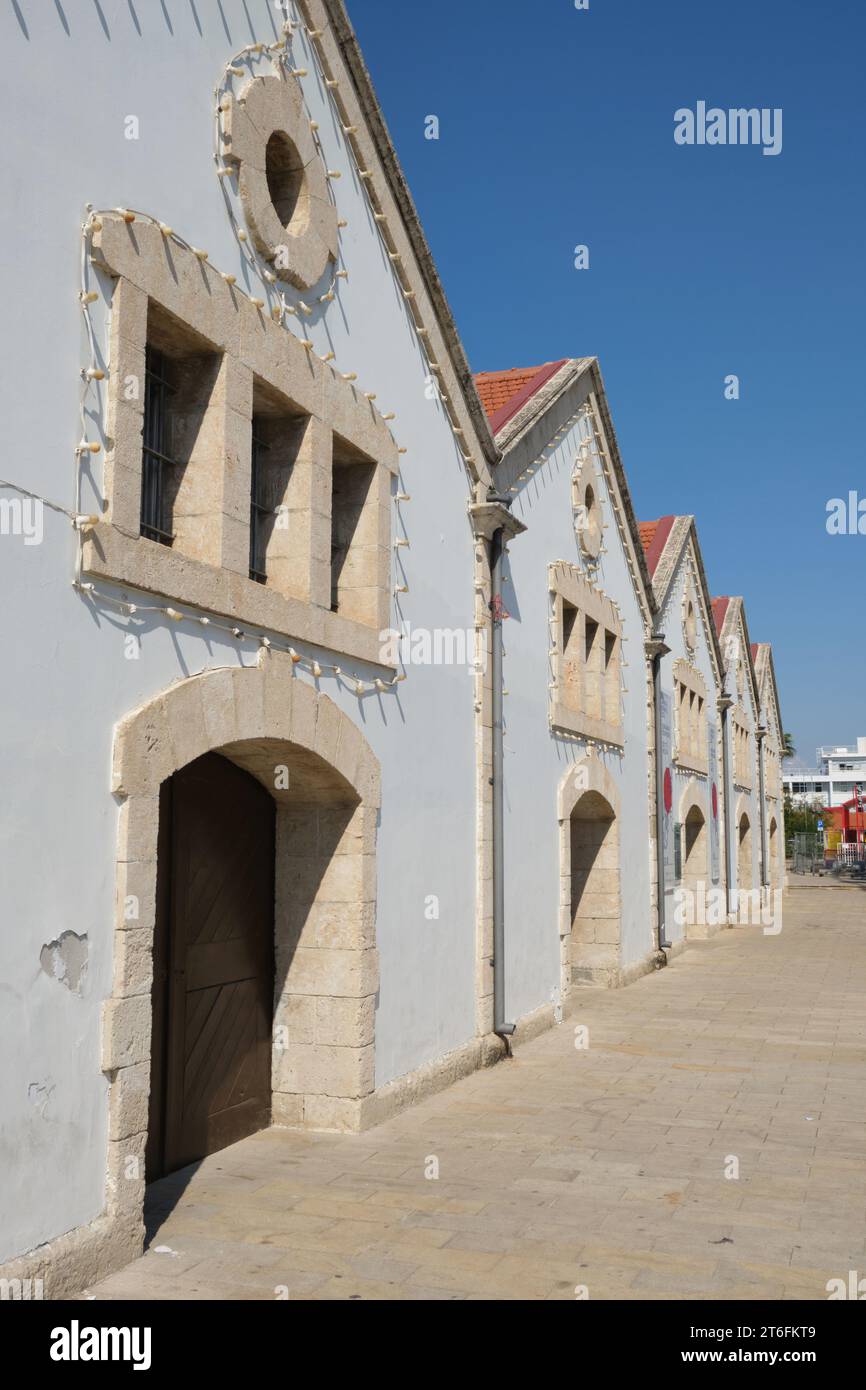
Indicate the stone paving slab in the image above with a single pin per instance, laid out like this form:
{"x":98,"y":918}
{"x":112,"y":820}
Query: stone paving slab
{"x":602,"y":1167}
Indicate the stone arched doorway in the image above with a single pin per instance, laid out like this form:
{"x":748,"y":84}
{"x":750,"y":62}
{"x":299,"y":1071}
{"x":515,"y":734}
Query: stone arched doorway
{"x":744,"y":853}
{"x":695,"y":866}
{"x":775,"y":874}
{"x":590,"y":899}
{"x":213,"y":964}
{"x":324,"y":781}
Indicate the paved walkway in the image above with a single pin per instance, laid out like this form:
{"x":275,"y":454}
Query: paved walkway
{"x":562,"y":1167}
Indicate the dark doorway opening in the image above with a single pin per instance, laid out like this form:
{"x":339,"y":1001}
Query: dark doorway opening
{"x":213,"y":989}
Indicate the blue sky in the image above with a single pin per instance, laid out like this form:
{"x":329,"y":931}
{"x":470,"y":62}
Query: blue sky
{"x":556,"y":129}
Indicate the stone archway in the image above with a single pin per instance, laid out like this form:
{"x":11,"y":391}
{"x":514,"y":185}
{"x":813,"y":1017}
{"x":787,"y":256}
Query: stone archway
{"x":590,"y":897}
{"x":325,"y":781}
{"x":695,"y":861}
{"x":744,"y":852}
{"x":775,"y":874}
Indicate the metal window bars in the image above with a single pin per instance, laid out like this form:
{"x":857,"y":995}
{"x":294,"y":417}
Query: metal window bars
{"x":258,"y":510}
{"x":155,"y":457}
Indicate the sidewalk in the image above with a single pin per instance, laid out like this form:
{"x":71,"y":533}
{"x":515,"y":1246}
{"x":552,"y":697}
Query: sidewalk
{"x":603,"y":1168}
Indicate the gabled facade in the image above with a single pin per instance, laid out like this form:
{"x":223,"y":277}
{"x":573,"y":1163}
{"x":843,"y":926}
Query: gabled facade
{"x":225,"y":722}
{"x":772,"y":744}
{"x":578,"y":739}
{"x":742,"y":737}
{"x":692,"y":803}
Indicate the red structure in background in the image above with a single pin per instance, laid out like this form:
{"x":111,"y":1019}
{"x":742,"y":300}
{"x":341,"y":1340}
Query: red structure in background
{"x":849,"y":818}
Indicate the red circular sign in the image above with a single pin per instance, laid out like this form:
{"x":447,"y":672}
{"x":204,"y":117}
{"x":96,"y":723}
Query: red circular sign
{"x":669,"y":791}
{"x":715,"y":803}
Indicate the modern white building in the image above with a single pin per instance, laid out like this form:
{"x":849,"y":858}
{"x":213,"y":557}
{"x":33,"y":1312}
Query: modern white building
{"x":838,"y":770}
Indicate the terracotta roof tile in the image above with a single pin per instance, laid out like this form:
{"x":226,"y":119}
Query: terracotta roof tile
{"x":497,"y":388}
{"x":653,"y":538}
{"x":647,"y":530}
{"x":504,"y":393}
{"x":720,"y":608}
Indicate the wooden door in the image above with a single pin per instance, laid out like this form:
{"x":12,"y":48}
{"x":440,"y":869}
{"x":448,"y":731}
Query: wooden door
{"x":213,"y":964}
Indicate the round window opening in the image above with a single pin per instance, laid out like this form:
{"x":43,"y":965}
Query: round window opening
{"x":590,"y":531}
{"x":285,"y":174}
{"x":691,"y":626}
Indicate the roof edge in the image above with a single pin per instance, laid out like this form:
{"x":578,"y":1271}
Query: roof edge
{"x":350,"y":50}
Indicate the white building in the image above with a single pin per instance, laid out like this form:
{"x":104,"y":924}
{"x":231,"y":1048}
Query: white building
{"x":838,"y":770}
{"x":577,"y":739}
{"x":272,"y":853}
{"x":743,"y":731}
{"x":691,"y":722}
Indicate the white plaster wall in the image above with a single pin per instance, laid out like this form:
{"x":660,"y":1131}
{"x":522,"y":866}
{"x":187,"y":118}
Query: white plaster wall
{"x":775,"y":805}
{"x":740,"y":798}
{"x":536,"y":759}
{"x":670,"y":622}
{"x":737,"y":797}
{"x":69,"y":83}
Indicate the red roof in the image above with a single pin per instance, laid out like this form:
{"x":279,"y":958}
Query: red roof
{"x":720,"y":608}
{"x":504,"y":393}
{"x":754,"y":651}
{"x":653,"y":538}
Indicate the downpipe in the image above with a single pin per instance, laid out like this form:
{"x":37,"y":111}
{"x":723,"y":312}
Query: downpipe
{"x":501,"y":1026}
{"x":658,"y":650}
{"x":723,"y":706}
{"x":761,"y":734}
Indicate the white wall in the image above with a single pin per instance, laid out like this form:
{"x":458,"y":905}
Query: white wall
{"x":739,"y":798}
{"x":70,"y":85}
{"x":670,"y":622}
{"x":537,"y":759}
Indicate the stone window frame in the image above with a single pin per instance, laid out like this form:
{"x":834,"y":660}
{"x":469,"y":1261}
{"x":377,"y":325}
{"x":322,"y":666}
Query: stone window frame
{"x":268,"y":110}
{"x":150,"y":269}
{"x":690,"y":743}
{"x":741,"y":737}
{"x":569,"y":586}
{"x":588,"y":523}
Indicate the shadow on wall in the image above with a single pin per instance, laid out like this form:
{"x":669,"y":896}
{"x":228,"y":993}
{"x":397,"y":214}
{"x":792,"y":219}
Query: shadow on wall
{"x":269,"y":15}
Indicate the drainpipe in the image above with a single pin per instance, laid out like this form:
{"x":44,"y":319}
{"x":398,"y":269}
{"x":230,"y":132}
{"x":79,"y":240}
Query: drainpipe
{"x":501,"y":1027}
{"x":761,"y":734}
{"x":656,"y":649}
{"x":724,"y":704}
